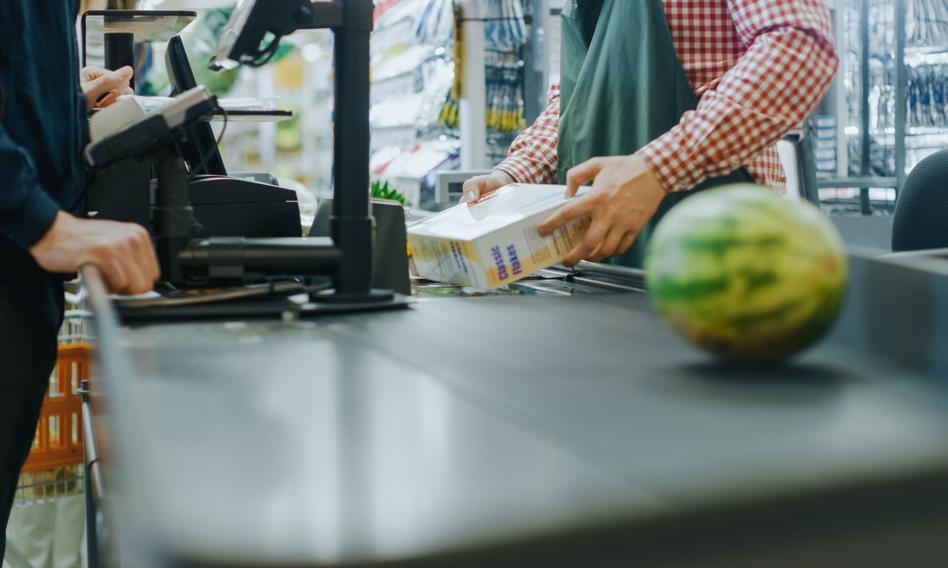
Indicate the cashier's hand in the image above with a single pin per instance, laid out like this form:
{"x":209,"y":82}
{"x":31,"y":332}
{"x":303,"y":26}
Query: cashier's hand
{"x":121,"y":251}
{"x":479,"y":186}
{"x":625,"y":195}
{"x":103,"y":87}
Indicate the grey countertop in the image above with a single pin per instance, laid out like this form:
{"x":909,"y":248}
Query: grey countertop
{"x":466,"y":425}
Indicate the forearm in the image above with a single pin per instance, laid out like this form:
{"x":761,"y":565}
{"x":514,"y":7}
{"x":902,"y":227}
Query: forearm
{"x":781,"y":78}
{"x":26,"y":211}
{"x":532,"y":157}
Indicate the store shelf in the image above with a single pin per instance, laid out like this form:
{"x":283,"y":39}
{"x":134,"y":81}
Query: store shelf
{"x":896,"y":68}
{"x":416,"y":95}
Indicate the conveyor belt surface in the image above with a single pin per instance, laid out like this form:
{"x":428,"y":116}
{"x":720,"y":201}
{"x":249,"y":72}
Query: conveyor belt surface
{"x":488,"y":424}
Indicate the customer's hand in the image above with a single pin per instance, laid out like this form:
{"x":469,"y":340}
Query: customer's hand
{"x":625,"y":195}
{"x":121,"y":251}
{"x":103,"y":87}
{"x":479,"y":186}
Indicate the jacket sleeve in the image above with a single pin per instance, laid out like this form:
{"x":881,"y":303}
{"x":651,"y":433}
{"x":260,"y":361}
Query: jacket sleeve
{"x":26,"y":210}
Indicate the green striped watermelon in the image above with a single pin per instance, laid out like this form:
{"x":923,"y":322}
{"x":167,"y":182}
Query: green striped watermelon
{"x":746,"y":274}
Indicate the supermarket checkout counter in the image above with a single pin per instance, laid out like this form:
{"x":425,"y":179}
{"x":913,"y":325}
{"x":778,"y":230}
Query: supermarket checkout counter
{"x":561,"y":425}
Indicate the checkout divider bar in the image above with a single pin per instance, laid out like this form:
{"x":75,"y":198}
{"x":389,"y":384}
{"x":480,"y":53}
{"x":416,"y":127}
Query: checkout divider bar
{"x":609,"y":276}
{"x":111,"y":402}
{"x":631,"y":275}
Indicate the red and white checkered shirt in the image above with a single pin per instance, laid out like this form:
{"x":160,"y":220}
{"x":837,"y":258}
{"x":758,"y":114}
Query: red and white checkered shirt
{"x":758,"y":68}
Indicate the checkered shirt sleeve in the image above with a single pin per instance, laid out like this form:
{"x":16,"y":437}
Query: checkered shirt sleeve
{"x":759,"y":67}
{"x":788,"y":65}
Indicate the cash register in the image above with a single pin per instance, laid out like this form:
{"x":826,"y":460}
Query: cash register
{"x":162,"y":169}
{"x":226,"y":205}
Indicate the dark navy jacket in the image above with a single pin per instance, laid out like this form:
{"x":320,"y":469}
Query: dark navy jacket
{"x":43,"y":124}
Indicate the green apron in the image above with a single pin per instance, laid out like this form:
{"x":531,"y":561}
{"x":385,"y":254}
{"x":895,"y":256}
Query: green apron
{"x":621,"y":87}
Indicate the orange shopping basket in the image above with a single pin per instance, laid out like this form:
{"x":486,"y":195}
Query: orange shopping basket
{"x":58,"y":440}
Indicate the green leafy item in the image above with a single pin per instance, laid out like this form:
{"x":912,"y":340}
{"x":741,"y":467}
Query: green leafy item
{"x":384,"y":191}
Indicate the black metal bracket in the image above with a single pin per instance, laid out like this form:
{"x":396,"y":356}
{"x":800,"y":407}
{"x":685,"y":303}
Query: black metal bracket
{"x":351,"y":21}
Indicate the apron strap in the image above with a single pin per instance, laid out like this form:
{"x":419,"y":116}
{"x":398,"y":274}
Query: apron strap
{"x":622,"y":86}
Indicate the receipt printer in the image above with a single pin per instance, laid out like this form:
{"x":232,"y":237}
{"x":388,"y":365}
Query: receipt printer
{"x":225,"y":206}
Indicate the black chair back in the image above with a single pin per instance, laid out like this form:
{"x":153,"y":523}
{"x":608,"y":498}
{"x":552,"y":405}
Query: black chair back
{"x":921,"y":212}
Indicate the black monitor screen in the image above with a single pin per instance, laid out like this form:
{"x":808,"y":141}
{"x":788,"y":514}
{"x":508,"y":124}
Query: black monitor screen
{"x":200,"y":151}
{"x":180,"y":73}
{"x":235,"y":40}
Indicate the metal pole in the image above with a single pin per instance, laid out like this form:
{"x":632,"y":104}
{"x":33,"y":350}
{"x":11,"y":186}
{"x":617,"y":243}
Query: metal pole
{"x":535,"y":87}
{"x":120,"y":52}
{"x":474,"y":100}
{"x":842,"y":96}
{"x":901,"y":98}
{"x":865,"y":169}
{"x":351,"y":221}
{"x":89,"y":458}
{"x":173,"y":218}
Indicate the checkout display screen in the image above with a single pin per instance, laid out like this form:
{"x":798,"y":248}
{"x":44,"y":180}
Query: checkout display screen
{"x":232,"y":31}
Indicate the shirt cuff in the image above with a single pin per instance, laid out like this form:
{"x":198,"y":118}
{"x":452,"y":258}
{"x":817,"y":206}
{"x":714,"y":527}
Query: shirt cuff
{"x":674,"y":169}
{"x":516,"y":168}
{"x":32,"y":219}
{"x":525,"y":171}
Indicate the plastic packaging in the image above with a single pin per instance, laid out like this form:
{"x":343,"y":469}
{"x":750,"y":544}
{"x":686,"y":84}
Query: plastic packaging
{"x":494,"y":241}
